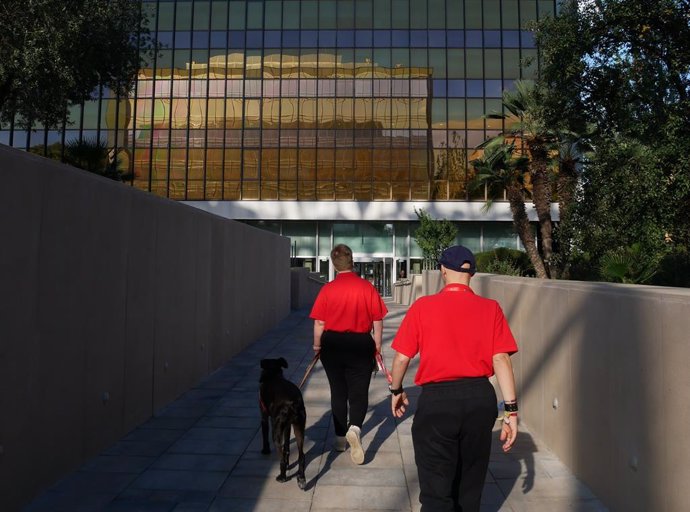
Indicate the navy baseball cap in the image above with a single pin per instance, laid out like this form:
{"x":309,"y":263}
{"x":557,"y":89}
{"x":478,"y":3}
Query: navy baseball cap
{"x":456,"y":256}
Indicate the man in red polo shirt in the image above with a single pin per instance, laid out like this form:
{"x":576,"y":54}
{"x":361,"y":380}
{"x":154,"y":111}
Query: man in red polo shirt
{"x":462,"y":339}
{"x":345,"y":312}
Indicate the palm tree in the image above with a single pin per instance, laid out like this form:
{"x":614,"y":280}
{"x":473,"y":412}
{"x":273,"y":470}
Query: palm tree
{"x":536,"y":140}
{"x":501,"y":168}
{"x":93,"y":155}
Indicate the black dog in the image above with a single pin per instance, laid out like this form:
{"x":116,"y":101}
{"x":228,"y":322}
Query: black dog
{"x":282,"y":401}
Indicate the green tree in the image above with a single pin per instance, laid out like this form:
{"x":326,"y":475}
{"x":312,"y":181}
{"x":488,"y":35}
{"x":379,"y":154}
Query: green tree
{"x":54,"y":54}
{"x":623,"y":66}
{"x":433,"y":237}
{"x":94,"y":156}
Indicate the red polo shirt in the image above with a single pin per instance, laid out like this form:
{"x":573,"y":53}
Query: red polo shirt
{"x":348,"y":304}
{"x":456,"y":334}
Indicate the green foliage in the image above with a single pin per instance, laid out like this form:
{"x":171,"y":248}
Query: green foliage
{"x":612,"y":65}
{"x":505,"y":261}
{"x":627,"y":265}
{"x":433,"y":237}
{"x":94,"y":156}
{"x":54,"y":54}
{"x":674,"y":269}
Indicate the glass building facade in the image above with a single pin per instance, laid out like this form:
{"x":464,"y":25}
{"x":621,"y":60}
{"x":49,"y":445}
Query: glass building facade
{"x":344,"y":104}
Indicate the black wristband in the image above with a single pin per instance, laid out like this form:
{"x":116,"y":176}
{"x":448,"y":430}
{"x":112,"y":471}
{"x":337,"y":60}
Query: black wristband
{"x":396,"y":392}
{"x":510,"y":407}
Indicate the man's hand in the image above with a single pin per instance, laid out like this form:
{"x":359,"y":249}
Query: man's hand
{"x":509,"y":433}
{"x":399,"y":404}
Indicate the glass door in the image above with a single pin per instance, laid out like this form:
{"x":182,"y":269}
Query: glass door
{"x":377,"y":271}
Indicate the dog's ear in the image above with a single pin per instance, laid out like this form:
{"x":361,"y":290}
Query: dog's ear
{"x":283,"y":362}
{"x":264,"y":363}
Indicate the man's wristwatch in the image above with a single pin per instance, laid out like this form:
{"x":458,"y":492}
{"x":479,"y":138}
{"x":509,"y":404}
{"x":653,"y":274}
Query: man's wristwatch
{"x":395,"y":391}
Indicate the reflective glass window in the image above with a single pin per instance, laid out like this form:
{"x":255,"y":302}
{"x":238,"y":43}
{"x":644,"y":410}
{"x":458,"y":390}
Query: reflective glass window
{"x":418,"y":57}
{"x":255,"y":15}
{"x":346,"y":38}
{"x":363,"y":38}
{"x":202,"y":13}
{"x":510,"y":15}
{"x":327,"y":37}
{"x":219,"y":15}
{"x":475,"y":64}
{"x":237,"y":15}
{"x":492,"y":19}
{"x":272,"y":14}
{"x":418,"y":38}
{"x":166,"y":15}
{"x":455,"y":38}
{"x":456,"y":63}
{"x":382,"y":38}
{"x":473,"y":38}
{"x":511,"y":38}
{"x":382,"y":14}
{"x":401,"y":13}
{"x":494,"y":88}
{"x":183,"y":39}
{"x":310,"y":38}
{"x":439,"y":88}
{"x":183,"y":15}
{"x":454,"y":14}
{"x":527,"y":39}
{"x":437,"y":38}
{"x":528,"y":11}
{"x":310,"y":14}
{"x":437,"y":13}
{"x":290,"y":15}
{"x":437,"y":63}
{"x":165,"y":38}
{"x":473,"y":14}
{"x":236,"y":39}
{"x":290,"y":38}
{"x":254,"y":38}
{"x":219,"y":39}
{"x":327,"y":14}
{"x":456,"y":88}
{"x":200,"y":39}
{"x":492,"y":38}
{"x":346,"y":14}
{"x":418,"y":14}
{"x":272,"y":38}
{"x":545,"y":8}
{"x":475,"y":88}
{"x":400,"y":38}
{"x":438,"y":113}
{"x":363,"y":13}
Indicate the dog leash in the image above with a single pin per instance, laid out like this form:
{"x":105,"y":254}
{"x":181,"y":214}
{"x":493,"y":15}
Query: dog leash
{"x":382,"y":367}
{"x":309,"y":369}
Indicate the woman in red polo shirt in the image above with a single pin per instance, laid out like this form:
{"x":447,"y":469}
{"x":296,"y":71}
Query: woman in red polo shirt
{"x":345,"y":312}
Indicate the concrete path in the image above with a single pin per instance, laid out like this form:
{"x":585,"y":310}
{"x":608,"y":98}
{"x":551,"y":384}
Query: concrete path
{"x":202,"y":453}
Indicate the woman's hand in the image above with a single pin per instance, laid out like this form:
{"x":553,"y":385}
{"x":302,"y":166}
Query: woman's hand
{"x":509,"y":431}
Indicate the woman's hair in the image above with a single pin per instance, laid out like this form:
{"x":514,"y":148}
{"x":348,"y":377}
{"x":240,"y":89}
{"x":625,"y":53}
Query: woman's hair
{"x":341,"y":256}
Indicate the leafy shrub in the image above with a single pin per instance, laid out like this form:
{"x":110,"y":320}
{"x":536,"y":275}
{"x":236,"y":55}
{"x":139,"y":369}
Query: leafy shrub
{"x":627,"y":265}
{"x":504,"y":261}
{"x":674,"y":269}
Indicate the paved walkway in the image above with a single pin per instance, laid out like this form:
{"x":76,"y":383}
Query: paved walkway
{"x":202,"y":453}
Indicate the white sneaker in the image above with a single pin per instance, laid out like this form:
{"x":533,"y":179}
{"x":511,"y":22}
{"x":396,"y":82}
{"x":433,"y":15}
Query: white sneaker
{"x":339,"y":445}
{"x":353,"y":439}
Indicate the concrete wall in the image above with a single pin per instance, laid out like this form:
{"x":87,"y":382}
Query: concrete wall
{"x":113,"y":302}
{"x":304,"y":287}
{"x":603,"y":377}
